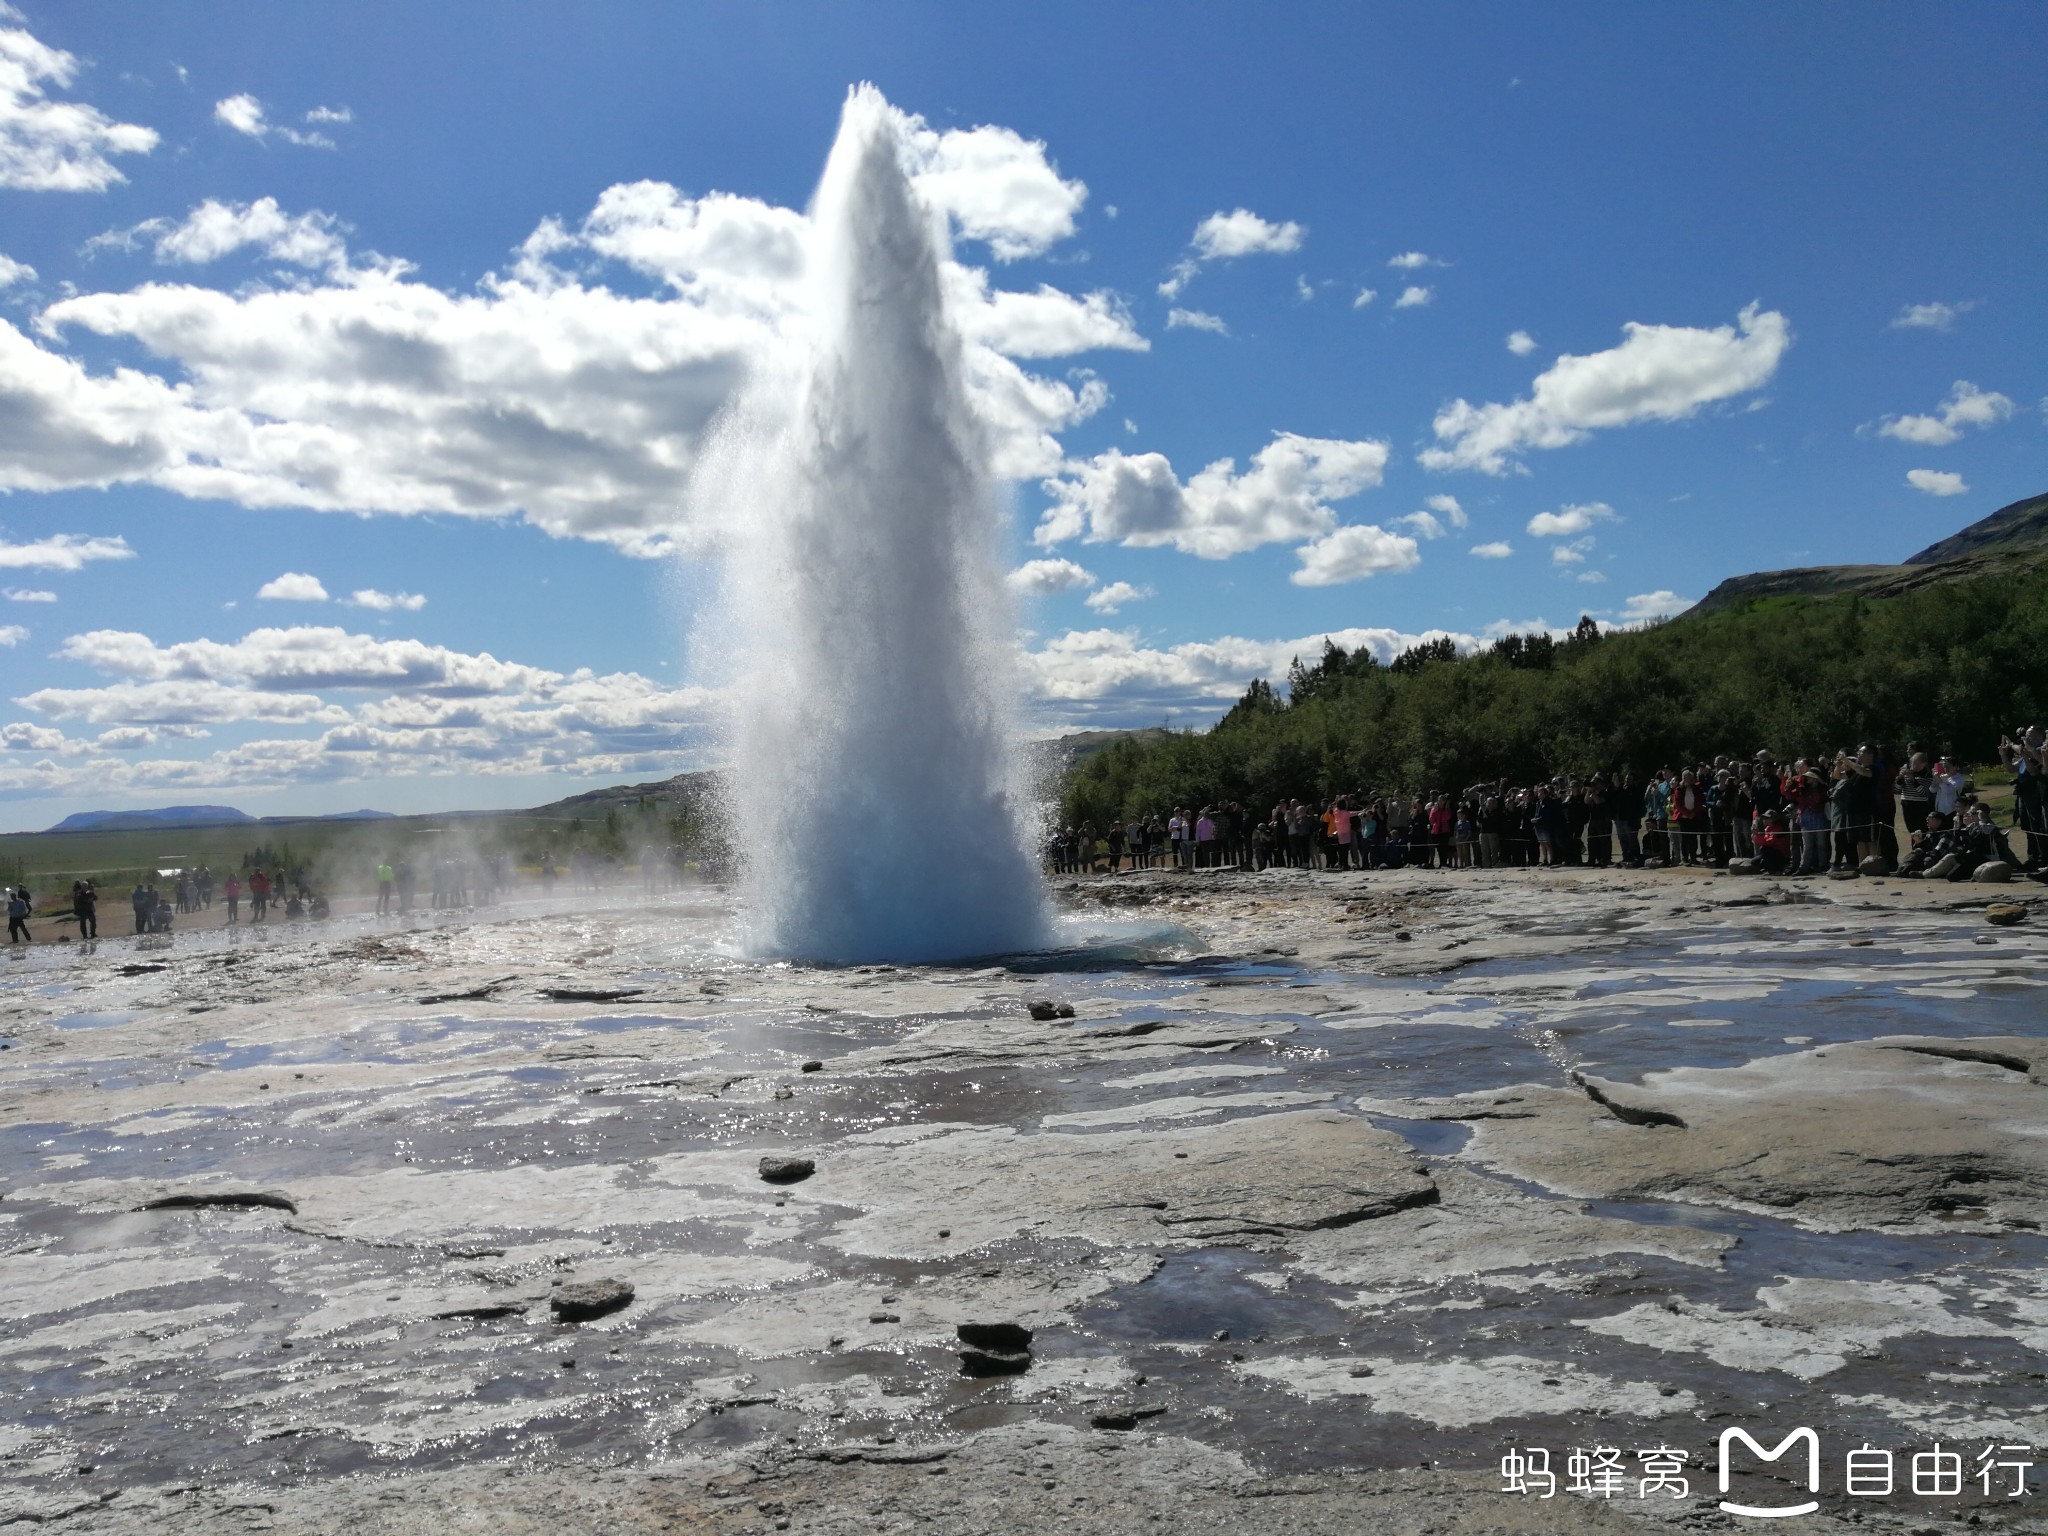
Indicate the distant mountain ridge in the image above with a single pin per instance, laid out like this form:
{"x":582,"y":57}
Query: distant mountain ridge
{"x":2014,"y":538}
{"x":173,"y":816}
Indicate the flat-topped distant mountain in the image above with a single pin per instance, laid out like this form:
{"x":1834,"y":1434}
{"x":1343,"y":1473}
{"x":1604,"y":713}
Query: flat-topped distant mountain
{"x":171,"y":816}
{"x":143,"y":821}
{"x":2011,"y":539}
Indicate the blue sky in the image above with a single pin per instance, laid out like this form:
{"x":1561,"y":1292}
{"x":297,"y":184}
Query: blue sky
{"x":431,"y":303}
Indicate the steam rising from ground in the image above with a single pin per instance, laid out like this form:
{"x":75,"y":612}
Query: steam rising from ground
{"x":874,"y":793}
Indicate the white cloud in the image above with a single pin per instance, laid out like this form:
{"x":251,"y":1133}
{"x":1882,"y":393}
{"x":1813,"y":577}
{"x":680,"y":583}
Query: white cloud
{"x":1304,"y":290}
{"x":1497,"y":550}
{"x":182,"y":702}
{"x":384,"y":602}
{"x":1365,"y":297}
{"x":1410,"y":261}
{"x":242,"y":113}
{"x":1414,"y":297}
{"x":1660,"y":604}
{"x":1424,"y":525}
{"x":1572,"y":553}
{"x":12,"y":272}
{"x":54,"y":146}
{"x":1108,"y":676}
{"x":1521,"y":343}
{"x":1936,"y":482}
{"x":61,"y":552}
{"x":1244,"y":233}
{"x":12,"y":634}
{"x":1591,"y":576}
{"x":21,"y":595}
{"x":1047,"y":323}
{"x":245,"y":114}
{"x":306,"y":656}
{"x":1353,"y":553}
{"x":23,"y":736}
{"x":1931,"y":317}
{"x":1195,"y":320}
{"x":215,"y":229}
{"x":127,"y":738}
{"x":1447,"y":508}
{"x":1113,"y":597}
{"x":1042,"y":578}
{"x":1657,"y":373}
{"x":1966,"y":406}
{"x":549,"y":393}
{"x":293,"y":587}
{"x":995,"y":185}
{"x":1178,"y":277}
{"x":1284,"y":496}
{"x":1569,"y":520}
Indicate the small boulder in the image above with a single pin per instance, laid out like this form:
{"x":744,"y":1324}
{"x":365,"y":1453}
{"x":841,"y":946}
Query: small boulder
{"x":1124,"y":1415}
{"x":1876,"y":864}
{"x":1843,"y":874}
{"x":1042,"y":1010}
{"x":1064,"y":1011}
{"x":2004,"y":914}
{"x":581,"y":1300}
{"x":813,"y":1066}
{"x":994,"y":1349}
{"x":1742,"y":866}
{"x":1993,"y":872}
{"x":786,"y":1170}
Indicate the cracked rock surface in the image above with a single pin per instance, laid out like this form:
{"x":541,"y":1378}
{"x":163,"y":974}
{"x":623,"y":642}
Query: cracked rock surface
{"x":1313,"y":1193}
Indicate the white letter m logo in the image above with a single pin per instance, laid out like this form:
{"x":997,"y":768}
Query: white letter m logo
{"x":1812,"y":1470}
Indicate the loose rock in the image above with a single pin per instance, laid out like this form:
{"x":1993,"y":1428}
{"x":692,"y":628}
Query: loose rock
{"x":787,"y":1170}
{"x":2004,"y":914}
{"x":581,"y":1300}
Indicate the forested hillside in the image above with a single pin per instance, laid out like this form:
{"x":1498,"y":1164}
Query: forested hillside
{"x":1951,"y":665}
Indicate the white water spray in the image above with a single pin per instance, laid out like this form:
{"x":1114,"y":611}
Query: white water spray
{"x":875,"y":794}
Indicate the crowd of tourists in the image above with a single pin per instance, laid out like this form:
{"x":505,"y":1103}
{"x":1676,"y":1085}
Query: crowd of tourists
{"x":1856,"y":810}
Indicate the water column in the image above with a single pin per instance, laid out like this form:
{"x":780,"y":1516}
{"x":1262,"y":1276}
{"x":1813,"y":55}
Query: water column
{"x":875,"y":793}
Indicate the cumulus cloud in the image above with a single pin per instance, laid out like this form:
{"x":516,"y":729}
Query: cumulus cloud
{"x":330,"y":115}
{"x":1966,"y":406}
{"x":1409,"y":261}
{"x":1109,"y":676}
{"x":54,"y":146}
{"x":1646,"y":606}
{"x":1284,"y":496}
{"x":1243,"y":233}
{"x":1497,"y":550}
{"x":1930,"y":317}
{"x":216,"y":229}
{"x":1414,"y":297}
{"x":1042,"y":578}
{"x":1424,"y":525}
{"x":12,"y":634}
{"x":293,"y":587}
{"x":1113,"y":597}
{"x":27,"y":595}
{"x":307,"y":656}
{"x":62,"y":552}
{"x":12,"y":272}
{"x":1448,"y":509}
{"x":1657,"y":373}
{"x":1364,"y":297}
{"x":1569,"y":520}
{"x":995,"y":185}
{"x":1195,"y":320}
{"x":1521,"y":343}
{"x":25,"y":736}
{"x":1936,"y":482}
{"x":549,"y":392}
{"x":1572,"y":553}
{"x":1352,"y":554}
{"x":385,"y":602}
{"x":245,"y":115}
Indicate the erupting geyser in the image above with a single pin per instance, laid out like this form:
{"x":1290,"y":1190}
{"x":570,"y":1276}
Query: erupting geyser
{"x":875,"y":795}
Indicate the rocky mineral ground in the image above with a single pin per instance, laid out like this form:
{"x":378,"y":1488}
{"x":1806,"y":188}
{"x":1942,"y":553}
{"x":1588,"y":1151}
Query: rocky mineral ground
{"x":1317,"y":1195}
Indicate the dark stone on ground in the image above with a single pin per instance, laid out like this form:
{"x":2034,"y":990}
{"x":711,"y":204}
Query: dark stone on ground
{"x":581,"y":1300}
{"x":1041,"y":1010}
{"x":999,"y":1336}
{"x":787,"y":1170}
{"x":2005,"y":913}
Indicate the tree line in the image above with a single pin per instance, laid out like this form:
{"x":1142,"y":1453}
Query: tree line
{"x":1952,"y":666}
